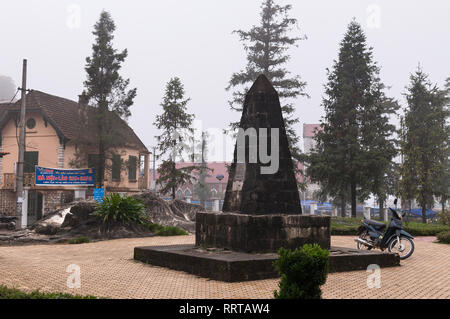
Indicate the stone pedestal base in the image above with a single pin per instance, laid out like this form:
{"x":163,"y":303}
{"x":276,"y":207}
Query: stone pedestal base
{"x":260,"y":233}
{"x":231,"y":266}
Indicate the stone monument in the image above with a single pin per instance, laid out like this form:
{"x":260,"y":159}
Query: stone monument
{"x":261,"y":210}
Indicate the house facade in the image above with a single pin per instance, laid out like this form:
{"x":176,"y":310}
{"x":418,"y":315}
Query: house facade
{"x":50,"y":141}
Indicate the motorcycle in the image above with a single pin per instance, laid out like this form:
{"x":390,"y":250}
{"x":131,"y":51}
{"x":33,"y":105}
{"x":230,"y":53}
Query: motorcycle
{"x":395,"y":238}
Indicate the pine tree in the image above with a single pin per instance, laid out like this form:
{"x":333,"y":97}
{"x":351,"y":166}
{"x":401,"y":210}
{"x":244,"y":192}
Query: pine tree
{"x":442,"y":188}
{"x":174,"y":122}
{"x":107,"y":92}
{"x":426,"y":140}
{"x":353,"y":150}
{"x":266,"y":46}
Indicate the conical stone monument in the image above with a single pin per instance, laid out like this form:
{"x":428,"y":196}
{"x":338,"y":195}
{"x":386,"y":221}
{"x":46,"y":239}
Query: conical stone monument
{"x":250,"y":189}
{"x":261,"y":210}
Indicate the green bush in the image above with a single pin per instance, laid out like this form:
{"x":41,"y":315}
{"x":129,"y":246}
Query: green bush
{"x":342,"y":226}
{"x":349,"y":226}
{"x":12,"y":293}
{"x":444,"y":237}
{"x":79,"y":240}
{"x":120,"y":209}
{"x":171,"y":231}
{"x":302,"y":272}
{"x":421,"y":229}
{"x":444,"y":217}
{"x":166,"y":230}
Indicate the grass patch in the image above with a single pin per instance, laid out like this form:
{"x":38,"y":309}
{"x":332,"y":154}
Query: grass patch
{"x":349,"y":226}
{"x":13,"y":293}
{"x":79,"y":240}
{"x":166,"y":230}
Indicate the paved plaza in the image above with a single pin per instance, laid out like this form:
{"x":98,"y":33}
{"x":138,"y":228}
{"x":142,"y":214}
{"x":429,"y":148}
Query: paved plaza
{"x":107,"y":269}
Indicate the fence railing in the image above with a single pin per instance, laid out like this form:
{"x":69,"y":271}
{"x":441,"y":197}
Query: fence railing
{"x":9,"y":180}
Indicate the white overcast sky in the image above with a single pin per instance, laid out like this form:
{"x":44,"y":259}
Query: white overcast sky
{"x":193,"y":40}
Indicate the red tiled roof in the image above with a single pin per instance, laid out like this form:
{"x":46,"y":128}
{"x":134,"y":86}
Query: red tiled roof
{"x":309,"y":129}
{"x":62,"y":114}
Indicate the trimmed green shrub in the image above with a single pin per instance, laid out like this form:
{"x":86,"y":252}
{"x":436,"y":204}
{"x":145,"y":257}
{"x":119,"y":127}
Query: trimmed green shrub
{"x":421,"y":229}
{"x":166,"y":230}
{"x":444,"y":237}
{"x":444,"y":217}
{"x":79,"y":240}
{"x":12,"y":293}
{"x":344,"y":226}
{"x":302,"y":272}
{"x":121,"y":209}
{"x":171,"y":231}
{"x":349,"y":226}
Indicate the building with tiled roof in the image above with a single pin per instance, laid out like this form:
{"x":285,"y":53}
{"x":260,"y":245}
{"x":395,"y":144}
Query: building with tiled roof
{"x":52,"y":132}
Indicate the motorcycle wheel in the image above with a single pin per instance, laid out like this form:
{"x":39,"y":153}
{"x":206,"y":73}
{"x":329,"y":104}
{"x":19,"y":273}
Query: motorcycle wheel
{"x":404,"y":249}
{"x":363,"y":236}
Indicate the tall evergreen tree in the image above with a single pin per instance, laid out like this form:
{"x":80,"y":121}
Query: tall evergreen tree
{"x":107,"y":92}
{"x":354,"y":149}
{"x":174,"y":122}
{"x":266,"y":46}
{"x":426,"y":140}
{"x":442,"y":188}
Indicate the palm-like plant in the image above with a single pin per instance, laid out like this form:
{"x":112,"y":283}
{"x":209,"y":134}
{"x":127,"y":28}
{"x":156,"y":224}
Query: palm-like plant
{"x":120,"y":209}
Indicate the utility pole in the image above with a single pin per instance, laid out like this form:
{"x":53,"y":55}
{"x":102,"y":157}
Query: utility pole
{"x":19,"y":172}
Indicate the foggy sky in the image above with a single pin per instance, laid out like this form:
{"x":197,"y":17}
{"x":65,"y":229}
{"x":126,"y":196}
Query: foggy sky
{"x":193,"y":40}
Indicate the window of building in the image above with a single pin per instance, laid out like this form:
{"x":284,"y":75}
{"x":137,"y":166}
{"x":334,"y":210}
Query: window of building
{"x":132,"y":167}
{"x":187,"y":193}
{"x":30,"y":161}
{"x":116,"y":163}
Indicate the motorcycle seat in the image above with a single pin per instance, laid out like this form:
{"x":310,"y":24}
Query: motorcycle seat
{"x":376,"y":225}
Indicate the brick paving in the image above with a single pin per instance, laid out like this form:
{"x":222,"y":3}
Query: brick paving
{"x":108,"y":270}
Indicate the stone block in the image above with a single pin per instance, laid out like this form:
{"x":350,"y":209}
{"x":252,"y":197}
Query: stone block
{"x":260,"y":233}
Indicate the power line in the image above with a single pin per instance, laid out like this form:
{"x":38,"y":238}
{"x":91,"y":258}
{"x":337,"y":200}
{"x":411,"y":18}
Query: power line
{"x":18,"y":89}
